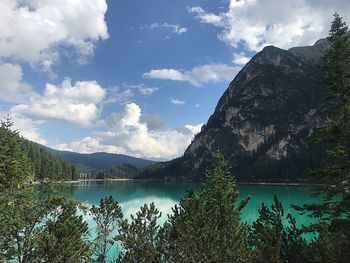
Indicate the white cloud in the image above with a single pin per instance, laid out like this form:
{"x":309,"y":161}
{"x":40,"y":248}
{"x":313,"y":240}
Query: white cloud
{"x":205,"y":17}
{"x":34,"y":30}
{"x":27,"y":127}
{"x":240,"y":59}
{"x":153,"y":121}
{"x":142,"y":88}
{"x":171,"y":74}
{"x":281,"y":23}
{"x":129,"y":134}
{"x":88,"y":145}
{"x":148,"y":90}
{"x":76,"y":104}
{"x":12,"y":88}
{"x":117,"y":95}
{"x":198,"y":75}
{"x":177,"y":101}
{"x":194,"y":129}
{"x":175,"y":28}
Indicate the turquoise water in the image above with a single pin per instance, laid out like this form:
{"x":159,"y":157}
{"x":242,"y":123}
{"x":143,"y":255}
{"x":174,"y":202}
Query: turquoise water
{"x":133,"y":194}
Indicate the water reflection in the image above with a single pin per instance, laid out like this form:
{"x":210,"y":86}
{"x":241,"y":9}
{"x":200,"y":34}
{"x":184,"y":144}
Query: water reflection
{"x":133,"y":194}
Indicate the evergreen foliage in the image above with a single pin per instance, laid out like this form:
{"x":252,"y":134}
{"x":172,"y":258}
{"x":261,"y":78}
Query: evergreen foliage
{"x":125,"y":171}
{"x":63,"y":238}
{"x":335,"y":135}
{"x":275,"y":237}
{"x":27,"y":159}
{"x":142,"y":238}
{"x":107,"y":217}
{"x":206,"y":227}
{"x":28,"y":222}
{"x":48,"y":166}
{"x":15,"y":166}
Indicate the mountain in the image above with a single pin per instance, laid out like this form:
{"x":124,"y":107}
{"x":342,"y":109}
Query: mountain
{"x":100,"y":161}
{"x":263,"y":121}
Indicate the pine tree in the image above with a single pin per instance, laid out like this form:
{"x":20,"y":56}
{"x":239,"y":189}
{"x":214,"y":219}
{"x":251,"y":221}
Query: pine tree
{"x":206,"y":227}
{"x":107,"y":218}
{"x":15,"y":167}
{"x":333,"y":213}
{"x":16,"y":194}
{"x":63,"y":238}
{"x":335,"y":135}
{"x":275,"y":237}
{"x":142,"y":238}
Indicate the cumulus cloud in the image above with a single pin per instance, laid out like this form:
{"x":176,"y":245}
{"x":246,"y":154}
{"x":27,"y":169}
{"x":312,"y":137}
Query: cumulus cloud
{"x":27,"y":127}
{"x":175,"y":28}
{"x":12,"y":88}
{"x":177,"y":101}
{"x":190,"y":129}
{"x":240,"y":58}
{"x":153,"y":121}
{"x":34,"y":30}
{"x":206,"y":17}
{"x":194,"y":129}
{"x":281,"y":23}
{"x":129,"y":133}
{"x":76,"y":103}
{"x":198,"y":75}
{"x":88,"y":145}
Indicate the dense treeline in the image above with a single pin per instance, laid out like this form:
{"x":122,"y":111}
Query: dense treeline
{"x":44,"y":165}
{"x":171,"y":170}
{"x":47,"y":165}
{"x":255,"y":167}
{"x":124,"y":171}
{"x":294,"y":167}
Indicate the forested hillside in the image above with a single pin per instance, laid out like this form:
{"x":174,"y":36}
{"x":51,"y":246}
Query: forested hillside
{"x":43,"y":163}
{"x":47,"y":165}
{"x":124,"y":171}
{"x":94,"y":162}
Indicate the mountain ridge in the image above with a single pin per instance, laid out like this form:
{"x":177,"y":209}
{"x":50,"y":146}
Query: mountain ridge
{"x":92,"y":162}
{"x":263,"y":121}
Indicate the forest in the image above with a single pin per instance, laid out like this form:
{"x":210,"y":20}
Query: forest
{"x":46,"y":165}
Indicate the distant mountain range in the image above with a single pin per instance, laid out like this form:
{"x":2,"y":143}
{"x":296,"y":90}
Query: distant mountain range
{"x":99,"y":161}
{"x":263,"y":121}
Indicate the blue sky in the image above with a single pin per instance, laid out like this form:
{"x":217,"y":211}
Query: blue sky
{"x":136,"y":77}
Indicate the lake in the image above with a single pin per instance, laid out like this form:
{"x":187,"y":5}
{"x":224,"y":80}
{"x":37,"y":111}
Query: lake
{"x":133,"y":194}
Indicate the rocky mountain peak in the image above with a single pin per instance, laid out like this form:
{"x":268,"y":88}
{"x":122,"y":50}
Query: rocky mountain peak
{"x":265,"y":117}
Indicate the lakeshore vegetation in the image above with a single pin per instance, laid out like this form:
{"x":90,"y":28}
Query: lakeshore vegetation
{"x":48,"y":226}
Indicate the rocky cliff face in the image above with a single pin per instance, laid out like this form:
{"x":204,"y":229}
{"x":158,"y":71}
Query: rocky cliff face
{"x":266,"y":115}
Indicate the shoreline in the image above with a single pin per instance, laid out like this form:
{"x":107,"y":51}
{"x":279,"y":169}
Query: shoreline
{"x":83,"y":180}
{"x":281,"y":183}
{"x":171,"y":181}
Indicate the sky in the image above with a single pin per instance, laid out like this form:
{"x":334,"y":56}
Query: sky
{"x":136,"y":77}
